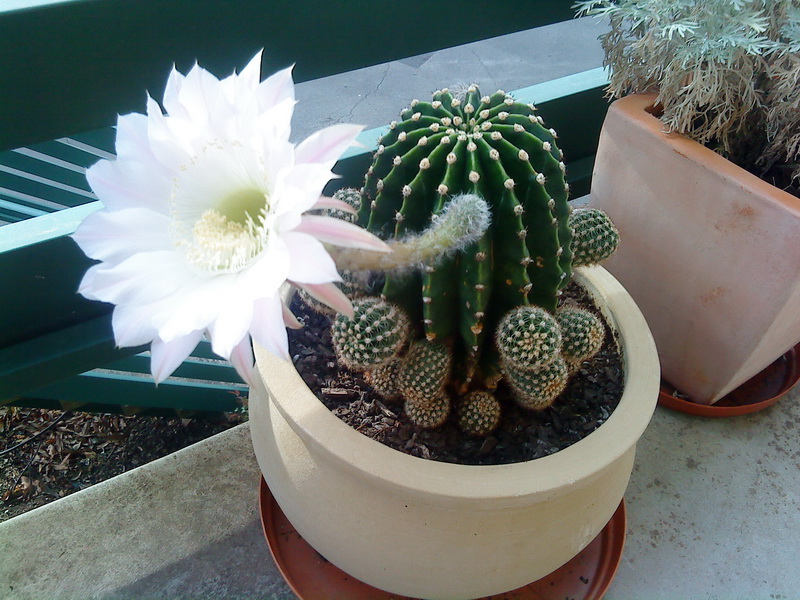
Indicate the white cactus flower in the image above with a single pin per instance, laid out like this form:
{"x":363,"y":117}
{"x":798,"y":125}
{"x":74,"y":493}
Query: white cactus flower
{"x":204,"y":219}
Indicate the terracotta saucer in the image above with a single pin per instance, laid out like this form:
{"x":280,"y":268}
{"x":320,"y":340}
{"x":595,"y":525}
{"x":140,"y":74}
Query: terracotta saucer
{"x":763,"y":390}
{"x":311,"y":577}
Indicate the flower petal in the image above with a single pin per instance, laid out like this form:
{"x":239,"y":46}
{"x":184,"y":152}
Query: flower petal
{"x":141,"y":279}
{"x":276,"y":89}
{"x":115,"y":235}
{"x":231,"y":325}
{"x":165,"y":357}
{"x":340,"y":233}
{"x":327,"y":145}
{"x":133,"y":326}
{"x":172,"y":93}
{"x":243,"y":360}
{"x":289,"y":319}
{"x":326,"y":202}
{"x":268,"y":329}
{"x":128,"y":183}
{"x":329,"y":294}
{"x":310,"y":262}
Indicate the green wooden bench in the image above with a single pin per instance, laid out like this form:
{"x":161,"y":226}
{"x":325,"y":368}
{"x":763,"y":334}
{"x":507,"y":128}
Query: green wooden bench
{"x":70,"y":66}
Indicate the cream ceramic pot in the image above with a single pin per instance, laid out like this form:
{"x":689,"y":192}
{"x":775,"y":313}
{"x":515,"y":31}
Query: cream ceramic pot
{"x":426,"y":529}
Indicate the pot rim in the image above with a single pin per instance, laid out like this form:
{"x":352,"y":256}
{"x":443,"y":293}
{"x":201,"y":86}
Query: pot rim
{"x":328,"y":438}
{"x":637,"y":106}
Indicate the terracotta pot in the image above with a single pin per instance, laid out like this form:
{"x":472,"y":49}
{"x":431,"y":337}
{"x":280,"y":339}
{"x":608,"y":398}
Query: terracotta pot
{"x":427,"y":529}
{"x":709,"y":251}
{"x":755,"y":394}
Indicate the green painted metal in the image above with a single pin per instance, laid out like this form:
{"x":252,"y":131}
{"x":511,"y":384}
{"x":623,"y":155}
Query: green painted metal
{"x":46,"y":307}
{"x":98,"y":56}
{"x":120,"y":388}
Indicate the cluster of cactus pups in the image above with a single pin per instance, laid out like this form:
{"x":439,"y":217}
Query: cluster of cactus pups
{"x":473,"y":298}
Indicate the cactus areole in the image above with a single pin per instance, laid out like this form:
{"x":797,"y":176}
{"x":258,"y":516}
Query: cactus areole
{"x":499,"y":150}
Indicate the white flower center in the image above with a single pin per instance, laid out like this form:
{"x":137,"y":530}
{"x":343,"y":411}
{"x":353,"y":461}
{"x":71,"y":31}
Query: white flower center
{"x":220,"y":210}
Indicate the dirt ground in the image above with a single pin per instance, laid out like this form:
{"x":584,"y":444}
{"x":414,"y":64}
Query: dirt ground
{"x":48,"y":454}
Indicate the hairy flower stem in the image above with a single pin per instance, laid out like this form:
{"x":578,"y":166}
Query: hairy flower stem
{"x":463,"y":221}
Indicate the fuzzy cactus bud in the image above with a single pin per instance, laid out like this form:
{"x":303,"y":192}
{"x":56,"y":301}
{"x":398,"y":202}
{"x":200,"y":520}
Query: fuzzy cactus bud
{"x":383,"y":379}
{"x":424,"y":370}
{"x":594,"y":236}
{"x":528,"y":337}
{"x":582,"y":334}
{"x":428,"y":413}
{"x":537,"y":389}
{"x":463,"y":221}
{"x":479,"y":413}
{"x":375,"y":334}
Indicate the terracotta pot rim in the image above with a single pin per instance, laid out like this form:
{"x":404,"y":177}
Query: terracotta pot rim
{"x":517,"y":482}
{"x":637,"y":105}
{"x":687,"y":406}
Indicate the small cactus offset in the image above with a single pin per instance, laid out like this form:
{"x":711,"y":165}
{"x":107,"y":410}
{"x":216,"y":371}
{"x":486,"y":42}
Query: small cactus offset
{"x":383,"y":379}
{"x":582,"y":334}
{"x":424,"y":370}
{"x":375,"y":334}
{"x":528,"y":337}
{"x":479,"y":413}
{"x":351,"y":197}
{"x":428,"y":412}
{"x":536,"y":389}
{"x":482,"y":308}
{"x":594,"y":236}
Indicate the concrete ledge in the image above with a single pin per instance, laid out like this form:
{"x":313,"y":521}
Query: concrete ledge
{"x":713,"y":512}
{"x":157,"y":531}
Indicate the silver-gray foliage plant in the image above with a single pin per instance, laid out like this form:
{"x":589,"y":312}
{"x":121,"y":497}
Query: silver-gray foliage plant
{"x":727,"y":73}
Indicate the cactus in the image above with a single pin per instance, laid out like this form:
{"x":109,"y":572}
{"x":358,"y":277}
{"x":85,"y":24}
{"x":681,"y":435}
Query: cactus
{"x":594,"y":236}
{"x":376,"y":333}
{"x":428,"y":412}
{"x":499,"y":149}
{"x":424,"y":370}
{"x":383,"y":379}
{"x":351,"y":197}
{"x":538,"y":388}
{"x":528,"y":337}
{"x":582,"y":334}
{"x":479,"y":413}
{"x":482,"y":307}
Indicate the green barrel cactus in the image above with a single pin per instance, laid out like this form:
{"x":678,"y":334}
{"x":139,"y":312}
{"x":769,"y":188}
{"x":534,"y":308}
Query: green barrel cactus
{"x":499,"y":149}
{"x":482,"y":309}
